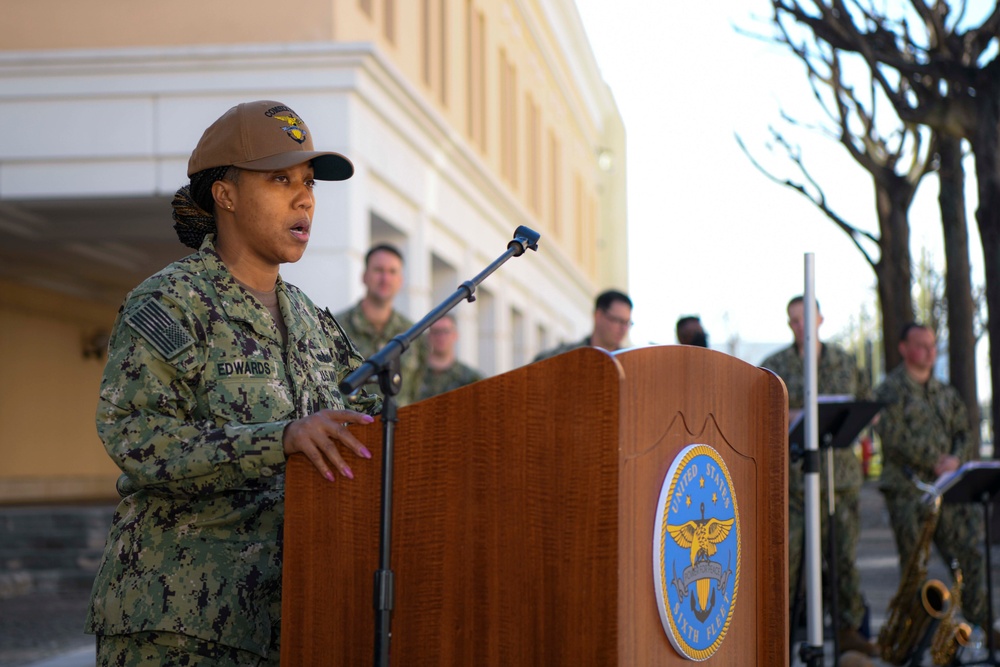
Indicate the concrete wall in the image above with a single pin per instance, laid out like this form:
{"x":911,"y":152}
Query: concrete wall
{"x":48,"y":442}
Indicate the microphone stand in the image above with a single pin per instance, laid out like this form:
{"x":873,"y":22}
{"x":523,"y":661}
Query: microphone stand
{"x":385,"y":364}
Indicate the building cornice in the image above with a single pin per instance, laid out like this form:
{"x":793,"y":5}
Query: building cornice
{"x":356,"y":68}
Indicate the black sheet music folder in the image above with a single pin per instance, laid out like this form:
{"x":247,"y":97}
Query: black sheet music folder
{"x":971,"y":483}
{"x":840,"y":419}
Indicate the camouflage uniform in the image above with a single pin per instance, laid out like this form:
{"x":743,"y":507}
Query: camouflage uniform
{"x":921,"y":423}
{"x":142,"y":649}
{"x":368,"y":341}
{"x":838,"y":374}
{"x":194,"y":401}
{"x":438,"y":382}
{"x":565,"y":347}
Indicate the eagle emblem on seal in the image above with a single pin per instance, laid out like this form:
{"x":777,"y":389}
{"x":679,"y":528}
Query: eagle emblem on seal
{"x":700,"y":536}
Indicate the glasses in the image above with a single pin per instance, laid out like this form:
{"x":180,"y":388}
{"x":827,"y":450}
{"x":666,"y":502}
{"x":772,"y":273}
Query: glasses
{"x":617,"y":320}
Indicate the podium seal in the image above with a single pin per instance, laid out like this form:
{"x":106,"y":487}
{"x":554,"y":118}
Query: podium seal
{"x":696,"y":552}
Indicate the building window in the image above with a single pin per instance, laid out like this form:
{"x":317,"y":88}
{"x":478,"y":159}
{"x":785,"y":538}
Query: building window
{"x":508,"y":120}
{"x":591,"y":232}
{"x":389,"y":21}
{"x":481,"y":59}
{"x":555,"y":183}
{"x":425,"y":30}
{"x":518,"y":329}
{"x":534,"y":154}
{"x":488,"y":335}
{"x":434,"y":28}
{"x":475,"y":75}
{"x":579,"y":225}
{"x":541,"y":338}
{"x":443,"y":39}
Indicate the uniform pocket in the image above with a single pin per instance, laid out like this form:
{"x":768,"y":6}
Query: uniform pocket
{"x":250,"y":400}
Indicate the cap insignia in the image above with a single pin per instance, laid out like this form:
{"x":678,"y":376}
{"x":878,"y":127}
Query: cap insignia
{"x":293,"y":129}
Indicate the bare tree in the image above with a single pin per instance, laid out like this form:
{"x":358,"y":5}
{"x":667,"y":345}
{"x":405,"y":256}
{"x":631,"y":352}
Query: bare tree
{"x":936,"y":73}
{"x":930,"y":304}
{"x":959,"y":300}
{"x":897,"y":161}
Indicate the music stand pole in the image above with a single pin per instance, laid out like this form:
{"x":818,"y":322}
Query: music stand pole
{"x":831,"y":551}
{"x":986,"y":499}
{"x":812,"y":650}
{"x":838,"y":423}
{"x":987,"y":502}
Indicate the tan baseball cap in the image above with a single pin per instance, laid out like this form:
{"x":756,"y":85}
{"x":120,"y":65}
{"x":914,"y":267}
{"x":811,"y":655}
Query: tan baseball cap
{"x":261,"y":136}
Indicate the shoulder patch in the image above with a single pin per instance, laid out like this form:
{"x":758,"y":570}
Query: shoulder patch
{"x":152,"y":321}
{"x":328,"y":317}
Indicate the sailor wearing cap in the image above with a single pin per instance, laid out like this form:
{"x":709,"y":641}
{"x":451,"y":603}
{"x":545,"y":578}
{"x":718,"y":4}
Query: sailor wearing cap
{"x":217,"y":371}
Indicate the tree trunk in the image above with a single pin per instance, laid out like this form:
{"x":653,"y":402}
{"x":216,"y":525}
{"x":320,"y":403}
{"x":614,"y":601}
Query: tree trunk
{"x":892,"y":198}
{"x":958,"y":284}
{"x":986,"y":146}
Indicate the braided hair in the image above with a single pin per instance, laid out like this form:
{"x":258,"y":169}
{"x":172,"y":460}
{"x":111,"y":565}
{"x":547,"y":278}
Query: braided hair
{"x":194,"y":205}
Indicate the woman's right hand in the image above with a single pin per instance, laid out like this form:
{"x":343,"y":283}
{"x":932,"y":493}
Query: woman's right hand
{"x":317,"y":436}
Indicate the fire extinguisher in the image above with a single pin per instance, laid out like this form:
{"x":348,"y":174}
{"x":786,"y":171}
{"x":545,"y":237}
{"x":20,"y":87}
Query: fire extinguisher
{"x":867,"y":452}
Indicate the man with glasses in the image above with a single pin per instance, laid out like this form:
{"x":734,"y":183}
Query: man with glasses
{"x":612,"y":320}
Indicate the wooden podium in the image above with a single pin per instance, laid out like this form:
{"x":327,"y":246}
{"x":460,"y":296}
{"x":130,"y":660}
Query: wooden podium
{"x":523,"y":518}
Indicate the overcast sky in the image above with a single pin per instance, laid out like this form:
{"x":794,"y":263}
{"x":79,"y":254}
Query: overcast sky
{"x":708,"y":233}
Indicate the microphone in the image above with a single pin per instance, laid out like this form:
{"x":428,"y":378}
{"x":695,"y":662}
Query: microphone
{"x":525,"y":238}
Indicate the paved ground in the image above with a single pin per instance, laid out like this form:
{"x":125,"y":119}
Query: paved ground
{"x":36,"y":627}
{"x":878,"y":563}
{"x":47,"y":630}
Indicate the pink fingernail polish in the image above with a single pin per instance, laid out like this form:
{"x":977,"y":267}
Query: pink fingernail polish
{"x":368,"y":419}
{"x":365,"y":453}
{"x":347,"y":473}
{"x":328,"y":475}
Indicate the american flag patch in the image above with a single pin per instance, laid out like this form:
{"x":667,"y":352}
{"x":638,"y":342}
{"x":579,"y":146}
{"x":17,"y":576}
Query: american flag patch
{"x":152,"y":321}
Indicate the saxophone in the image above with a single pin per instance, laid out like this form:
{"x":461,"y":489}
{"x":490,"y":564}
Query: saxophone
{"x":951,"y":636}
{"x":919,"y":605}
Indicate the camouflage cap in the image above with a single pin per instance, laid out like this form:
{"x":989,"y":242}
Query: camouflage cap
{"x":261,"y":136}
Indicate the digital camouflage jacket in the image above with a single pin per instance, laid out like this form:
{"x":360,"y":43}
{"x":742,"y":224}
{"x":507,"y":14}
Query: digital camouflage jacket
{"x":438,"y":382}
{"x":837,"y":375}
{"x":562,"y":348}
{"x":369,"y":341}
{"x":195,"y":397}
{"x":921,"y":423}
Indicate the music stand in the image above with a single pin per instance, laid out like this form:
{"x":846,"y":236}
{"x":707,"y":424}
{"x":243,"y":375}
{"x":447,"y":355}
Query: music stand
{"x":840,"y":419}
{"x":977,"y":482}
{"x":839,"y":423}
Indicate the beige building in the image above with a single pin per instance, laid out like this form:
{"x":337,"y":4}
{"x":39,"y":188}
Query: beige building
{"x":464,"y":119}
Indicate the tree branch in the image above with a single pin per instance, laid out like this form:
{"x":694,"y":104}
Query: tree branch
{"x":818,"y":199}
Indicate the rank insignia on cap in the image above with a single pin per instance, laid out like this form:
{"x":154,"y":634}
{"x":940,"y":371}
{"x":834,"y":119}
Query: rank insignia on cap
{"x":152,"y":321}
